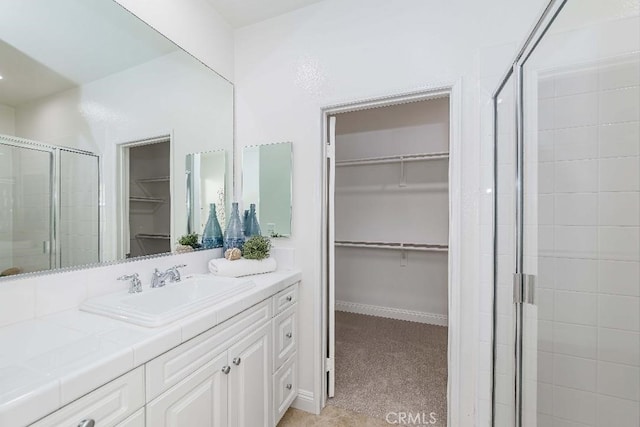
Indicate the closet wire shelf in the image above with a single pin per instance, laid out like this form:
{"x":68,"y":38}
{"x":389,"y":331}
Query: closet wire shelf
{"x":421,"y":247}
{"x":393,"y":159}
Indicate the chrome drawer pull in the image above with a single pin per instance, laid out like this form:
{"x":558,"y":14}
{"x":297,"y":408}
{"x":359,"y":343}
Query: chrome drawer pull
{"x":87,"y":423}
{"x":226,"y":370}
{"x":289,"y":335}
{"x":288,"y":386}
{"x":237,"y":361}
{"x":289,"y":298}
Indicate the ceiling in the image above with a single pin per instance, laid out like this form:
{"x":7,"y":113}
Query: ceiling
{"x":240,"y":13}
{"x":47,"y":47}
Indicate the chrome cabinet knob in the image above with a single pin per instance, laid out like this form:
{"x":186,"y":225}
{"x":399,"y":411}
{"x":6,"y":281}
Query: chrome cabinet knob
{"x":226,"y":370}
{"x":288,"y":386}
{"x":289,"y":335}
{"x":289,"y":298}
{"x":87,"y":423}
{"x":237,"y":361}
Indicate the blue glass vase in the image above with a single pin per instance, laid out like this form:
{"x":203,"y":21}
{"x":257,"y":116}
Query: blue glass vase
{"x":245,"y":222}
{"x":253,"y":227}
{"x":212,"y":234}
{"x":234,"y":235}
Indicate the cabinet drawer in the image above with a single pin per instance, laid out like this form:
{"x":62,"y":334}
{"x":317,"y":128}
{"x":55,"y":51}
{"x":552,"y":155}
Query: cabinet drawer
{"x":285,"y":336}
{"x":285,"y":388}
{"x":135,"y":420}
{"x":107,"y":406}
{"x":285,"y":298}
{"x":173,"y":366}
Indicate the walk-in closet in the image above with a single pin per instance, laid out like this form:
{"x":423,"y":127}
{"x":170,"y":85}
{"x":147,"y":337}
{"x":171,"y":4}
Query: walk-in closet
{"x":391,"y":225}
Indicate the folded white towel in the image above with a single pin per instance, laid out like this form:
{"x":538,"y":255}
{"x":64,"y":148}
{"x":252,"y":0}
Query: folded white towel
{"x":241,"y":267}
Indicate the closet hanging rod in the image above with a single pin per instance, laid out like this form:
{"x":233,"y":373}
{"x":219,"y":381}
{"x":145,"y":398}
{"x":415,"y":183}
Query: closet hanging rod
{"x":393,"y":245}
{"x":393,"y":159}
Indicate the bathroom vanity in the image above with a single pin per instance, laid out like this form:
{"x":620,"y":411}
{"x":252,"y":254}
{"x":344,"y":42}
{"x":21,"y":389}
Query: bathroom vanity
{"x":231,"y":364}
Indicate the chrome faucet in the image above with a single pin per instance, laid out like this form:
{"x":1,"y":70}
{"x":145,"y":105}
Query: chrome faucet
{"x":135,"y":285}
{"x":172,"y":274}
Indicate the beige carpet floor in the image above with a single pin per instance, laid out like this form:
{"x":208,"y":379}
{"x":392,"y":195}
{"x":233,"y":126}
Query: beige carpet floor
{"x":390,"y":366}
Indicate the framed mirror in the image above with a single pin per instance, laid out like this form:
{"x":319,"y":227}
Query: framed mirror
{"x":96,"y":120}
{"x":266,"y":182}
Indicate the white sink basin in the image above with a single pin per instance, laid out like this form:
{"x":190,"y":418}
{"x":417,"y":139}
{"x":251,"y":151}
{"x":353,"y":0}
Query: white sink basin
{"x":160,"y":306}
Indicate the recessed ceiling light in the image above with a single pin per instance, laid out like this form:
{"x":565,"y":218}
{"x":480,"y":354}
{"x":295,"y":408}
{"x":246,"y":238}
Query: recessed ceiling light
{"x":0,"y":77}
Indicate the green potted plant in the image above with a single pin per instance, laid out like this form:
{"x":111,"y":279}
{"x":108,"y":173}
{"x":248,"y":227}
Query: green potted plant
{"x":256,"y":247}
{"x":188,"y":243}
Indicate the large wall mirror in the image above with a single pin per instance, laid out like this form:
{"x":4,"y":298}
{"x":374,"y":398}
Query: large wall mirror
{"x":97,"y":115}
{"x":266,"y":182}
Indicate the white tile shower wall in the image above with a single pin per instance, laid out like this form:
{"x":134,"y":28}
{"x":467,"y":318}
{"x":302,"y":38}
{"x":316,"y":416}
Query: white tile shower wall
{"x":27,"y":297}
{"x":592,"y":362}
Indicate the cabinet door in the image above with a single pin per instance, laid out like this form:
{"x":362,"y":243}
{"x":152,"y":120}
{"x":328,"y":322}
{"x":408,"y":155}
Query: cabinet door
{"x":250,"y":380}
{"x":199,"y":400}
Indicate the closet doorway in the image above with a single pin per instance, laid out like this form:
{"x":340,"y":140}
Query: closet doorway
{"x":388,"y":263}
{"x":146,"y":197}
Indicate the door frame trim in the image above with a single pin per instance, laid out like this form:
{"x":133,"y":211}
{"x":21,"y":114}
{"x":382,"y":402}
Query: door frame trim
{"x":453,"y":90}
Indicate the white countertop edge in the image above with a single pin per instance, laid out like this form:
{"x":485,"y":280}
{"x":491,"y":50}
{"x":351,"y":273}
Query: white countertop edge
{"x":67,"y":385}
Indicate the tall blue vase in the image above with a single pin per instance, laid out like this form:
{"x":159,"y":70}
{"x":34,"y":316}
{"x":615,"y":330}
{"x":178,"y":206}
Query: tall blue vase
{"x":234,"y":235}
{"x":253,"y":227}
{"x":245,"y":222}
{"x":212,"y":234}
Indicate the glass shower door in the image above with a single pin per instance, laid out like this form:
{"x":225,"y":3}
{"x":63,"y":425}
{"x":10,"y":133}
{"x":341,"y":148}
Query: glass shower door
{"x":504,"y":261}
{"x":581,"y":183}
{"x":574,"y":356}
{"x":26,"y":229}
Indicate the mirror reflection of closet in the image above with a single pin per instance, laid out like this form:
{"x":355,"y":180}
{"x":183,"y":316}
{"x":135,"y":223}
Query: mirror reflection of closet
{"x":149,"y":213}
{"x":266,"y":182}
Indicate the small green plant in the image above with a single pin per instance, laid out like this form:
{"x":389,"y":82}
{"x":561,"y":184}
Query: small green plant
{"x":190,"y":240}
{"x":256,"y":247}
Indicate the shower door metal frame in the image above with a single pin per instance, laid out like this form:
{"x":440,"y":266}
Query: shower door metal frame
{"x":55,"y":255}
{"x":522,"y":282}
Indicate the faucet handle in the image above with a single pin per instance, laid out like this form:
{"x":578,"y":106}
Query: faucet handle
{"x":135,"y":285}
{"x":175,"y":268}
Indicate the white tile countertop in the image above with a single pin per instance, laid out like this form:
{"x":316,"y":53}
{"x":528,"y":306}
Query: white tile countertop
{"x":48,"y":362}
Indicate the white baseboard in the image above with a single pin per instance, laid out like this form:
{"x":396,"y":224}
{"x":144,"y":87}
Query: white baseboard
{"x":305,"y":401}
{"x":393,"y":313}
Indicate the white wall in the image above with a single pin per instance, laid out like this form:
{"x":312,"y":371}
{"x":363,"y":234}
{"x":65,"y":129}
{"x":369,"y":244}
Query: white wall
{"x":7,"y":120}
{"x":193,"y":25}
{"x":289,"y":67}
{"x":170,"y":95}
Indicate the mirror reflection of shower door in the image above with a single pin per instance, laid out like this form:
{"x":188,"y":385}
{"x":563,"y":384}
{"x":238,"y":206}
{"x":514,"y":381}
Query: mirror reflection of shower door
{"x":79,"y":219}
{"x":26,"y":229}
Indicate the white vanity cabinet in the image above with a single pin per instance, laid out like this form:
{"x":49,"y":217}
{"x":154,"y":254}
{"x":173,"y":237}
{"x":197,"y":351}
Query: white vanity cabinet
{"x":240,"y":373}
